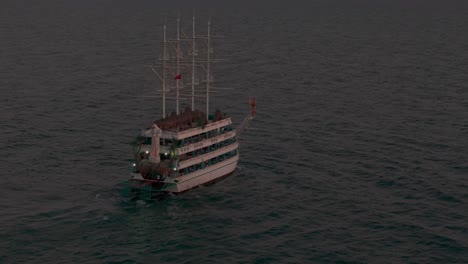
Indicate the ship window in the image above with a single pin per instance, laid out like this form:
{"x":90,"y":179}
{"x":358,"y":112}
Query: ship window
{"x":162,"y":156}
{"x":145,"y":140}
{"x":211,"y":133}
{"x":143,"y":155}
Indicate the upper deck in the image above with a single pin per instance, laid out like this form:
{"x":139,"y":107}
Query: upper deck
{"x":188,"y":124}
{"x":182,"y":134}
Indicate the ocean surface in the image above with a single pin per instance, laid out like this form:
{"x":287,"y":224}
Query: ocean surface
{"x":358,"y":153}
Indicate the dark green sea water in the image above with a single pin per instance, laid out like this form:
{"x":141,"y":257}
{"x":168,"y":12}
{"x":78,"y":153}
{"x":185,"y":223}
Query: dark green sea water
{"x":358,"y":153}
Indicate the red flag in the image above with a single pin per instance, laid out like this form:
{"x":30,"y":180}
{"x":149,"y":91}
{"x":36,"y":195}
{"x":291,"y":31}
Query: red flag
{"x":178,"y":77}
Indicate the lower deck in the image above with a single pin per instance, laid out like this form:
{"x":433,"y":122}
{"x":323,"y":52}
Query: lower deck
{"x":181,"y":183}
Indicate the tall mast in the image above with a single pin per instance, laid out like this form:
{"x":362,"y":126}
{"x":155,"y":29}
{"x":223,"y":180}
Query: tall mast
{"x":164,"y":74}
{"x":208,"y":72}
{"x":193,"y":62}
{"x":177,"y":66}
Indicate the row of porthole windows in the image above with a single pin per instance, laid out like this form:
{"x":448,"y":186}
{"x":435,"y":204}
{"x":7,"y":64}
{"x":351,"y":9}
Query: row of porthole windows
{"x":193,"y":139}
{"x":208,"y":149}
{"x":203,"y":136}
{"x":189,"y":140}
{"x":192,"y":154}
{"x":213,"y":161}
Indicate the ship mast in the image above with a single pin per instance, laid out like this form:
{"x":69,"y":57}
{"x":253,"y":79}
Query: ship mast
{"x":177,"y":66}
{"x":164,"y":74}
{"x":208,"y":71}
{"x":177,"y":74}
{"x":193,"y":62}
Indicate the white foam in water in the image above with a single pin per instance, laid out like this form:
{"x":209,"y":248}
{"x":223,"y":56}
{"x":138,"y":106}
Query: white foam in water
{"x":140,"y":202}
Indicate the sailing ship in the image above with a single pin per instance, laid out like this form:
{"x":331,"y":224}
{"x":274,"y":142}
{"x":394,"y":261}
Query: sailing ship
{"x":188,"y":148}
